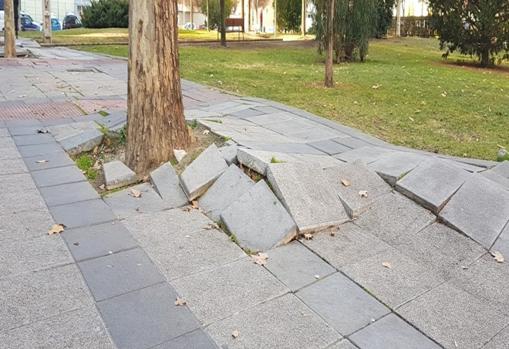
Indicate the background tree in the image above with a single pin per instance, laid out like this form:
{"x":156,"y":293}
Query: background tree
{"x":329,"y":44}
{"x":106,"y":14}
{"x":214,"y":11}
{"x":155,"y":114}
{"x":474,"y":27}
{"x":289,"y":14}
{"x":384,"y":15}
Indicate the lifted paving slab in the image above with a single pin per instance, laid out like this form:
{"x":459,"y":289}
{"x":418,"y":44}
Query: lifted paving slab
{"x":167,"y":184}
{"x":117,"y":174}
{"x":258,"y":160}
{"x":306,"y":192}
{"x":393,"y":166}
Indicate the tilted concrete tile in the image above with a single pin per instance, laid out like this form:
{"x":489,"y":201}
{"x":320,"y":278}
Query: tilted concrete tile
{"x":117,"y":174}
{"x":124,"y":203}
{"x":258,"y":160}
{"x":365,"y":154}
{"x":392,"y":166}
{"x":167,"y":184}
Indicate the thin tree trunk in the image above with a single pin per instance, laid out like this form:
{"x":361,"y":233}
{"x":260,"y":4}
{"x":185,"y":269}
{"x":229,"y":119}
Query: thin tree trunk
{"x":46,"y":11}
{"x":192,"y":14}
{"x":222,"y":16}
{"x":155,"y":122}
{"x":329,"y":79}
{"x":275,"y":18}
{"x":9,"y":30}
{"x":485,"y":58}
{"x":303,"y":18}
{"x":398,"y":18}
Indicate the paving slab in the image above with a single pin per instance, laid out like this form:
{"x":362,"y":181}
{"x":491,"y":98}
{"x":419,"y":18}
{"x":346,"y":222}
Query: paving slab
{"x":68,"y":193}
{"x":502,"y":169}
{"x":477,"y":200}
{"x":43,"y":162}
{"x":25,"y":225}
{"x":404,"y":280}
{"x":454,"y":318}
{"x":30,"y":297}
{"x":432,"y":183}
{"x":349,"y":245}
{"x":359,"y":179}
{"x":117,"y":174}
{"x":296,"y":266}
{"x":330,"y":147}
{"x":342,"y":304}
{"x":323,"y":161}
{"x":119,"y":273}
{"x":13,"y":166}
{"x":229,"y":153}
{"x":306,"y":192}
{"x":499,"y":341}
{"x":167,"y":184}
{"x":495,"y":177}
{"x":392,"y":332}
{"x":57,"y":176}
{"x":502,"y":243}
{"x":25,"y":130}
{"x":216,"y":294}
{"x":21,"y":201}
{"x":82,"y":213}
{"x":197,"y":339}
{"x":394,"y":165}
{"x":286,"y":147}
{"x":352,"y":142}
{"x":147,"y":317}
{"x":231,"y":185}
{"x":260,"y":327}
{"x":343,"y":344}
{"x":81,"y":328}
{"x":365,"y":154}
{"x":258,"y":220}
{"x":258,"y":160}
{"x":33,"y":139}
{"x":202,"y":172}
{"x":82,"y":142}
{"x":39,"y":149}
{"x":98,"y":240}
{"x":124,"y":204}
{"x":393,"y":216}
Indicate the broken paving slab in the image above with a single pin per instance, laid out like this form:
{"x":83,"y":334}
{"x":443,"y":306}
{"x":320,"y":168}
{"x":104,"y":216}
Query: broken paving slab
{"x":366,"y":154}
{"x":395,"y":165}
{"x":357,"y":187}
{"x":502,"y":169}
{"x":258,"y":160}
{"x":82,"y":142}
{"x":202,"y":172}
{"x":166,"y":182}
{"x":232,"y":184}
{"x":229,"y":153}
{"x":480,"y":210}
{"x":305,"y":191}
{"x":117,"y":174}
{"x":432,"y":183}
{"x":258,"y":220}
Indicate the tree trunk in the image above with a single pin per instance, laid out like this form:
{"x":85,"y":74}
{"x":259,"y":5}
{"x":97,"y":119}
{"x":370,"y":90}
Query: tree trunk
{"x":192,"y":14}
{"x":155,"y":122}
{"x":329,"y":79}
{"x":46,"y":12}
{"x":223,"y":28}
{"x":275,"y":18}
{"x":485,"y":58}
{"x":303,"y":18}
{"x":398,"y":18}
{"x":9,"y":30}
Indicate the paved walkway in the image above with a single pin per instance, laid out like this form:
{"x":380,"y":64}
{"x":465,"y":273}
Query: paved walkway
{"x":396,"y":277}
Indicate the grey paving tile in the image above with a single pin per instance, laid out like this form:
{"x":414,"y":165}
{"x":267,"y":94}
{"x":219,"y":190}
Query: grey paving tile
{"x":18,"y":256}
{"x":258,"y":220}
{"x":30,"y":297}
{"x":12,"y":166}
{"x":68,"y":193}
{"x":348,"y":246}
{"x":499,"y":341}
{"x":17,"y":201}
{"x":352,"y":142}
{"x":342,"y":344}
{"x":33,"y":139}
{"x":258,"y":160}
{"x":17,"y":183}
{"x":25,"y":225}
{"x":286,"y":148}
{"x":392,"y":332}
{"x":502,"y":243}
{"x":42,"y":162}
{"x":393,"y":216}
{"x":502,"y":169}
{"x":296,"y":266}
{"x":495,"y":177}
{"x":117,"y":174}
{"x":432,"y":183}
{"x":393,"y":166}
{"x":197,"y":339}
{"x":218,"y":293}
{"x":98,"y":240}
{"x":365,"y":154}
{"x":24,"y":130}
{"x":147,"y":317}
{"x":56,"y":176}
{"x":124,"y":204}
{"x":4,"y":132}
{"x":404,"y":280}
{"x":330,"y":147}
{"x":260,"y":327}
{"x":454,"y":318}
{"x":476,"y":200}
{"x":167,"y":184}
{"x":119,"y":273}
{"x":77,"y":329}
{"x":39,"y":149}
{"x":82,"y":213}
{"x":229,"y":153}
{"x":342,"y":304}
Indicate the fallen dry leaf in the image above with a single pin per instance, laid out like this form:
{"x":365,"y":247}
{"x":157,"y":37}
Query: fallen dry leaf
{"x":388,"y":265}
{"x":180,"y":301}
{"x":56,"y":229}
{"x":206,"y":132}
{"x":260,"y":258}
{"x":346,"y":182}
{"x":498,"y":256}
{"x":194,"y":204}
{"x":211,"y":226}
{"x":308,"y":236}
{"x":102,"y":187}
{"x":235,"y":333}
{"x":41,"y":161}
{"x":135,"y":193}
{"x":363,"y":194}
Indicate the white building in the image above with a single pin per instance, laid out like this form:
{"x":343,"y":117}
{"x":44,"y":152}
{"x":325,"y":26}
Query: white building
{"x":59,"y":8}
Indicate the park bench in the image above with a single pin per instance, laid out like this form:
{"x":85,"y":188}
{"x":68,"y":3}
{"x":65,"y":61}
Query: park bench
{"x":234,"y":25}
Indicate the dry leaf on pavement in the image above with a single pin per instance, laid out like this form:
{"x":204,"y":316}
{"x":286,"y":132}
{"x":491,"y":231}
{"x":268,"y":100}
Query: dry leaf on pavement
{"x":135,"y":193}
{"x":41,"y":161}
{"x":260,"y":258}
{"x":180,"y":301}
{"x":235,"y":333}
{"x":194,"y":204}
{"x":498,"y":256}
{"x":363,"y":194}
{"x":346,"y":182}
{"x":388,"y":265}
{"x":56,"y":229}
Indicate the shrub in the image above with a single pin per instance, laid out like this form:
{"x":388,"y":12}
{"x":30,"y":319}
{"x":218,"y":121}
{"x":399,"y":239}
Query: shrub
{"x":106,"y":14}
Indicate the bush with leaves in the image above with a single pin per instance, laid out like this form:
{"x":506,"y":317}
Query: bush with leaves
{"x":384,"y":17}
{"x":106,"y":14}
{"x":214,"y":11}
{"x":289,"y":13}
{"x":473,"y":27}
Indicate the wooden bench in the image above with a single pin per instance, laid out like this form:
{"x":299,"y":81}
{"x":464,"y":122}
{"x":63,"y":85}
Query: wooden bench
{"x":234,"y":25}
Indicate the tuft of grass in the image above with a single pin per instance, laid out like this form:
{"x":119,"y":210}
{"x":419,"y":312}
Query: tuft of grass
{"x":103,"y":113}
{"x":193,"y":124}
{"x":85,"y":163}
{"x":274,"y":160}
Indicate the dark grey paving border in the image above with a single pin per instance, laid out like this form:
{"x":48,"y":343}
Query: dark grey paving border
{"x":134,"y":299}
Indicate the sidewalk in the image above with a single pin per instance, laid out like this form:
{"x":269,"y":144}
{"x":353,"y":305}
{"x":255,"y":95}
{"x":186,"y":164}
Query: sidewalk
{"x":412,"y":270}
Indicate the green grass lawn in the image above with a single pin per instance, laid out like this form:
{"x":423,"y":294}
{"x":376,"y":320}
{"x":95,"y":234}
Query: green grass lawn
{"x":405,"y":93}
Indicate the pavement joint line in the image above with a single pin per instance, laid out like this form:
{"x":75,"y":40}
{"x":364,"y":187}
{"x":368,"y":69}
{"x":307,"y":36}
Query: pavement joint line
{"x":499,"y":234}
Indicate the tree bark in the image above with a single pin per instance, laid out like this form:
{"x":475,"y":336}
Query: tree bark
{"x":9,"y":30}
{"x":398,"y":18}
{"x":46,"y":12}
{"x":222,"y":16}
{"x":155,"y":122}
{"x":329,"y":79}
{"x":303,"y":18}
{"x":485,"y":58}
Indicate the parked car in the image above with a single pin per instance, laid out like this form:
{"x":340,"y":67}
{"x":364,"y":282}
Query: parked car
{"x":189,"y":26}
{"x":55,"y":25}
{"x":28,"y":24}
{"x":71,"y":21}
